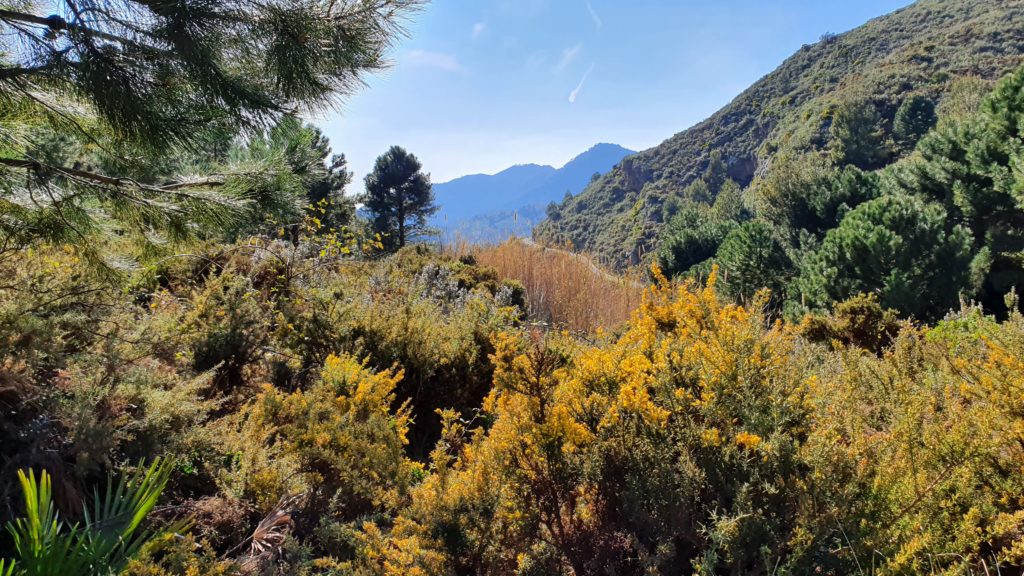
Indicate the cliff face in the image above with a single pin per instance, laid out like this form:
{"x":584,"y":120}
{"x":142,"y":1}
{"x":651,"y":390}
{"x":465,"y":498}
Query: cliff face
{"x":920,"y":49}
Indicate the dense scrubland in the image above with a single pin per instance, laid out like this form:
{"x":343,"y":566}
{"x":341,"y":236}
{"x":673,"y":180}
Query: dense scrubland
{"x":211,"y":363}
{"x":397,"y":416}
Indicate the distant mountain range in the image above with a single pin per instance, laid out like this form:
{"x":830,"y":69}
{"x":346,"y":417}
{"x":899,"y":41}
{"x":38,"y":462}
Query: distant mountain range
{"x":484,"y":207}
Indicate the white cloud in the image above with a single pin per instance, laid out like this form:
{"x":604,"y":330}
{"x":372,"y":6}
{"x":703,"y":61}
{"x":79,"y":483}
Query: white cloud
{"x":579,"y":87}
{"x":569,"y":55}
{"x":478,"y":29}
{"x":593,"y":15}
{"x":438,"y":60}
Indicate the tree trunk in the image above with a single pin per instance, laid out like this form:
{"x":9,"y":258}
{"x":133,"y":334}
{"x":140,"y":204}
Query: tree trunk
{"x":401,"y":220}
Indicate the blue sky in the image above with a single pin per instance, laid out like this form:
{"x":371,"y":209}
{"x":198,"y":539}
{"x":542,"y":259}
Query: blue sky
{"x":480,"y":85}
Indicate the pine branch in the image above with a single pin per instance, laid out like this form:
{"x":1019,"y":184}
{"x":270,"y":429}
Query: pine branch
{"x":14,"y":72}
{"x":58,"y":24}
{"x":112,"y":181}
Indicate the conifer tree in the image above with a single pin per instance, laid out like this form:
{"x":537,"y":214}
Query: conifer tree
{"x":303,"y":184}
{"x":971,"y":165}
{"x":914,"y":118}
{"x":729,"y":204}
{"x":751,"y":258}
{"x":399,"y":197}
{"x":897,"y":247}
{"x":857,"y":137}
{"x":691,"y":238}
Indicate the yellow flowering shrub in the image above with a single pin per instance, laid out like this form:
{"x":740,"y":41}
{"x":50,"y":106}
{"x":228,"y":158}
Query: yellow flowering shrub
{"x":173,"y":555}
{"x":340,"y":442}
{"x":705,"y":440}
{"x":625,"y":456}
{"x":930,"y":439}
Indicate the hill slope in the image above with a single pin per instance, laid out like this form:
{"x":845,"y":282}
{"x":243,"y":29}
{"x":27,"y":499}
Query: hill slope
{"x":480,"y":206}
{"x":919,"y":49}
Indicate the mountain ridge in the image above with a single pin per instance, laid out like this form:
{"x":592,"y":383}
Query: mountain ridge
{"x":921,"y":48}
{"x":475,"y":202}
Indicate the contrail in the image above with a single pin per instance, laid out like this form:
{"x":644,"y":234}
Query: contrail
{"x":576,"y":92}
{"x":593,"y":15}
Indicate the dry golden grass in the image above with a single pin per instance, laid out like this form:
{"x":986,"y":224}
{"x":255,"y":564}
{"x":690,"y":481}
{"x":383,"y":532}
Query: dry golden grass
{"x":564,"y":289}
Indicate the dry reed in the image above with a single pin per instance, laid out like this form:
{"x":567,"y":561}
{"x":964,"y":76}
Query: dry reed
{"x":565,"y":289}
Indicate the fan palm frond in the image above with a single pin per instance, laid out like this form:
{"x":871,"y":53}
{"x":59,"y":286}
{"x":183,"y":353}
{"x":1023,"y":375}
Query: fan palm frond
{"x":44,"y":545}
{"x":115,"y":517}
{"x":111,"y":534}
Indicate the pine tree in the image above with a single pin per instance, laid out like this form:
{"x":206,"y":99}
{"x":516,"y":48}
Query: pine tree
{"x":897,"y":247}
{"x":140,"y":85}
{"x":340,"y":209}
{"x":295,"y":154}
{"x":751,"y":258}
{"x":729,"y":204}
{"x":970,"y":163}
{"x":716,"y":174}
{"x":691,"y":238}
{"x":785,"y":195}
{"x":914,"y":118}
{"x":857,"y":137}
{"x":844,"y":190}
{"x":399,"y":197}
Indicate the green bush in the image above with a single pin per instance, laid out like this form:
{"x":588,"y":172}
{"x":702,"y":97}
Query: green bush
{"x":898,"y":247}
{"x":339,"y":443}
{"x":751,"y":258}
{"x":859,"y":321}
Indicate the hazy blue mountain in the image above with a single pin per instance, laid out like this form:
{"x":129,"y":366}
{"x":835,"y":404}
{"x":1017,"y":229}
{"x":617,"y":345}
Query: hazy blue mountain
{"x":576,"y":174}
{"x":478,"y":194}
{"x":483,"y":207}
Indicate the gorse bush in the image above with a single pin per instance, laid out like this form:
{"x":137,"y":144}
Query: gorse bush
{"x":235,"y":362}
{"x":339,"y":443}
{"x":928,"y":432}
{"x":860,"y":321}
{"x":701,"y":441}
{"x":618,"y":458}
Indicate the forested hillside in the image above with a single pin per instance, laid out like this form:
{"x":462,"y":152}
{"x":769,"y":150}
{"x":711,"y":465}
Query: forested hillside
{"x":920,"y":50}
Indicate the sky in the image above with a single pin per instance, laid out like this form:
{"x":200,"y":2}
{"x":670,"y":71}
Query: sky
{"x":481,"y":85}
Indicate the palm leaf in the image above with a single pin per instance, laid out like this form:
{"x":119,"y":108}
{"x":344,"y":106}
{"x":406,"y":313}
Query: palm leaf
{"x":114,"y":519}
{"x":273,"y":529}
{"x":44,"y":545}
{"x":6,"y":568}
{"x":111,"y":534}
